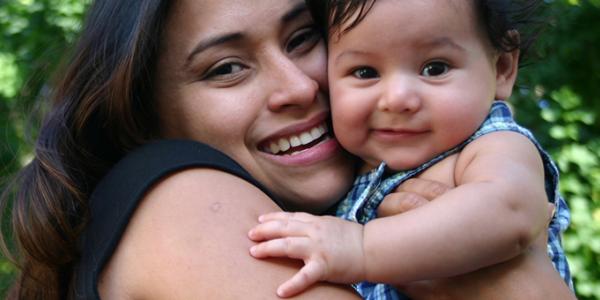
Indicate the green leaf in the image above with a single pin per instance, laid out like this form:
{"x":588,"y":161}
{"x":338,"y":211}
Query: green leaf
{"x":10,"y":79}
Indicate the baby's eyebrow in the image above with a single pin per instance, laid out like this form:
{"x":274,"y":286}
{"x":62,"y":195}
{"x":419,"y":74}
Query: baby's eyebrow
{"x":349,"y":53}
{"x":439,"y":42}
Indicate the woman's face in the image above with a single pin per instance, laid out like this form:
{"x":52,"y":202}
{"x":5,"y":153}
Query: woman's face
{"x":249,"y":78}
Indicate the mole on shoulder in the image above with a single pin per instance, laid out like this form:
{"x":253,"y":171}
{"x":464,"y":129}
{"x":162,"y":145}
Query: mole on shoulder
{"x":215,"y":207}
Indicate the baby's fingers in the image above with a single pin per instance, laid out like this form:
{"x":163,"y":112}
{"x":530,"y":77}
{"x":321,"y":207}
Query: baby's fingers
{"x":286,"y":216}
{"x":295,"y":247}
{"x":309,"y":274}
{"x":277,"y":229}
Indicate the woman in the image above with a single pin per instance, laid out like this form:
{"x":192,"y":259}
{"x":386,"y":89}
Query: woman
{"x":237,"y":75}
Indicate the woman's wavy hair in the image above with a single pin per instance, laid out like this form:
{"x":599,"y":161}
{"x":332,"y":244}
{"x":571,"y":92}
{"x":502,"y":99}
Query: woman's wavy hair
{"x":101,"y":108}
{"x":500,"y":18}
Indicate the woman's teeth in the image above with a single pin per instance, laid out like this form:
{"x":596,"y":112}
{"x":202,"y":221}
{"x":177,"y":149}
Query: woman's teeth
{"x":304,"y":138}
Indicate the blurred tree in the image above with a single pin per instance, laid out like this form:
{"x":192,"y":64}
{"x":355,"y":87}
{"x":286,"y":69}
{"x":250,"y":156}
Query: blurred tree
{"x":558,"y":101}
{"x":555,"y":98}
{"x":34,"y":35}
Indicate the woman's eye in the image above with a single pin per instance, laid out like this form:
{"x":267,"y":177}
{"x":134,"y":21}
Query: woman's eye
{"x":365,"y":73}
{"x":436,"y":68}
{"x":224,"y":70}
{"x":303,"y":39}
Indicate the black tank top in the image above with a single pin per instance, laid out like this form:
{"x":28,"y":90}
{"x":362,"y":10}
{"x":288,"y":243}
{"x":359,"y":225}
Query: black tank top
{"x":118,"y":194}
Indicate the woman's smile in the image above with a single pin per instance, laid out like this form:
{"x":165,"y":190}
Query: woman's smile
{"x":262,"y":99}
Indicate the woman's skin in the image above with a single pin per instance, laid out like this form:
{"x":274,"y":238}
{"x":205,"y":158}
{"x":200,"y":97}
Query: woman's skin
{"x":264,"y":79}
{"x":234,"y":74}
{"x":237,"y":75}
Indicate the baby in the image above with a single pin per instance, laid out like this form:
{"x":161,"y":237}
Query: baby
{"x":416,"y":91}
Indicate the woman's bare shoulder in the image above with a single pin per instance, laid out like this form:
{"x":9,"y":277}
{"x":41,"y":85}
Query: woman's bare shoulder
{"x":188,"y":238}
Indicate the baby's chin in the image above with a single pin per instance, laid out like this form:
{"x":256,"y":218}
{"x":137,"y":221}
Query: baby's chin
{"x":399,"y":158}
{"x":400,"y":165}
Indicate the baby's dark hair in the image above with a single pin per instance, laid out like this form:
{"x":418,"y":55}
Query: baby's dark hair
{"x":501,"y":19}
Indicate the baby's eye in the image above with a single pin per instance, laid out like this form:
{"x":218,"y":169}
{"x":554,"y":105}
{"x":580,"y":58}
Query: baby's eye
{"x":224,"y":70}
{"x":365,"y":73}
{"x":436,"y":68}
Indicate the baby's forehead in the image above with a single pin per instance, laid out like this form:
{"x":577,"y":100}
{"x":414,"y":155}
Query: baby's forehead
{"x":416,"y":21}
{"x":350,"y":12}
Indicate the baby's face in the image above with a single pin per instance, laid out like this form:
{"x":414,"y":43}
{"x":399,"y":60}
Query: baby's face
{"x":413,"y":79}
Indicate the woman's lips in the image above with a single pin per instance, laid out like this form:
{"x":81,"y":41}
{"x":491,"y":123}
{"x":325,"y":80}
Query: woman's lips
{"x":290,"y":145}
{"x":296,"y":135}
{"x":317,"y":151}
{"x":302,"y":144}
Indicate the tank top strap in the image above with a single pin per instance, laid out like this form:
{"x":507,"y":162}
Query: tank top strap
{"x":118,"y":194}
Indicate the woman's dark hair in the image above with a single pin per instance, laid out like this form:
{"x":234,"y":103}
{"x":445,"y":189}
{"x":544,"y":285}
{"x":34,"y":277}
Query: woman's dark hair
{"x":501,"y":19}
{"x":101,"y":107}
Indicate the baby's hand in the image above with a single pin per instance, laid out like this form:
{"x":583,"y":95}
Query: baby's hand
{"x":411,"y":194}
{"x":331,"y":248}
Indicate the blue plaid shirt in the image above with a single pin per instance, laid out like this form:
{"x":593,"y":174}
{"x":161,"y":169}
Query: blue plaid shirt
{"x":360,"y":205}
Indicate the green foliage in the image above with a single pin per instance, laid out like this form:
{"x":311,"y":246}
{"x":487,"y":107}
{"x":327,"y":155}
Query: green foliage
{"x":34,"y":34}
{"x":556,"y":98}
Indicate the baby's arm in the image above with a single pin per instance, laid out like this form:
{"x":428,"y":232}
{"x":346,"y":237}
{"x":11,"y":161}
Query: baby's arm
{"x":327,"y":244}
{"x":496,"y":211}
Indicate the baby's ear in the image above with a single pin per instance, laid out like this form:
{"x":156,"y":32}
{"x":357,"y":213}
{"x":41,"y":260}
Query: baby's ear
{"x":507,"y":65}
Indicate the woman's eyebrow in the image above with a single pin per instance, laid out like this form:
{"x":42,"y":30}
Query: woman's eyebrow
{"x":292,"y":14}
{"x":295,"y":12}
{"x":213,"y":41}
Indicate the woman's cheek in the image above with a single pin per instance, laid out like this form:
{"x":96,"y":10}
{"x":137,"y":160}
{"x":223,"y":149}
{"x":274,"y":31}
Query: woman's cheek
{"x":315,"y":66}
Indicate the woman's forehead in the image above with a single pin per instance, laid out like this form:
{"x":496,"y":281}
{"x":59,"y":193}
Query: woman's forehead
{"x":219,"y":15}
{"x":195,"y":23}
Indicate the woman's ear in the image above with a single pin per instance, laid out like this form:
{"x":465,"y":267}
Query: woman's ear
{"x":507,"y":66}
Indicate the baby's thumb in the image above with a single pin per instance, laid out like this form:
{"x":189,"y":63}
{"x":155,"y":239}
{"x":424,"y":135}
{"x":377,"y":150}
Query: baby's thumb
{"x":307,"y":276}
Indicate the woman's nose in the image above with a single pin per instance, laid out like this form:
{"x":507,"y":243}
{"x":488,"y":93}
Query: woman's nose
{"x":292,"y":87}
{"x":400,"y":96}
